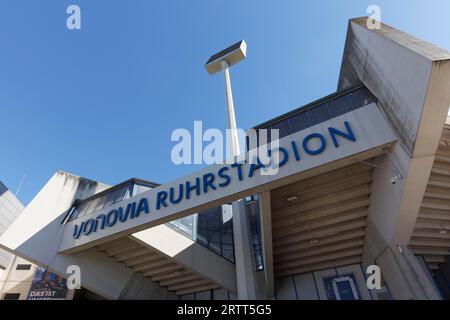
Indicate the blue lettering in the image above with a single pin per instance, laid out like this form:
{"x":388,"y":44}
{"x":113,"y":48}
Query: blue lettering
{"x":285,"y":158}
{"x":318,"y":150}
{"x":102,"y":223}
{"x":295,"y":149}
{"x":161,"y":199}
{"x":335,"y":132}
{"x":111,"y":218}
{"x":88,"y":226}
{"x":239,"y":170}
{"x":77,"y":230}
{"x":124,"y":216}
{"x":208,"y":180}
{"x":189,"y":188}
{"x":180,"y":194}
{"x":142,"y":206}
{"x":255,"y":166}
{"x":224,"y":176}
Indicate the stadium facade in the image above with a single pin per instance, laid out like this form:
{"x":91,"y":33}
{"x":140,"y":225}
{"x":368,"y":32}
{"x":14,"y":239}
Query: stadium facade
{"x":363,"y":180}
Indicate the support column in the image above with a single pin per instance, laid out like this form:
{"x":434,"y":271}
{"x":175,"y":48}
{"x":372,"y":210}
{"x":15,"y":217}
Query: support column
{"x":265,"y":212}
{"x":243,"y":252}
{"x":405,"y":277}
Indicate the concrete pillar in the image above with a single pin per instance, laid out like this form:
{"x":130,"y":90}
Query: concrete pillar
{"x":141,"y":288}
{"x":243,"y":252}
{"x":405,"y":276}
{"x":266,"y":240}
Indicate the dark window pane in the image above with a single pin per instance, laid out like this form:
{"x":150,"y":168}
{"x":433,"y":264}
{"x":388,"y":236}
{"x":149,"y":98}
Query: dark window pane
{"x":214,"y":228}
{"x":255,"y":229}
{"x":299,"y":122}
{"x":202,"y":228}
{"x":11,"y":296}
{"x":282,"y":127}
{"x":186,"y":226}
{"x":139,"y":188}
{"x":318,"y":114}
{"x":101,"y":203}
{"x":23,"y":267}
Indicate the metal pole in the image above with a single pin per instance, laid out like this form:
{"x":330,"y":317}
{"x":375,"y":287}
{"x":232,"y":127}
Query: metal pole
{"x":233,"y":141}
{"x":241,"y":231}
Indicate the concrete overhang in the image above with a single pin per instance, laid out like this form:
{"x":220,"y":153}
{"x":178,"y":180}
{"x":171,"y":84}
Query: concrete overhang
{"x":410,"y":78}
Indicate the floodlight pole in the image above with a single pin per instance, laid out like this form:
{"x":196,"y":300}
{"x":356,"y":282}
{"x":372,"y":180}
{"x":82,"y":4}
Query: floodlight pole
{"x":243,"y":250}
{"x":244,"y":267}
{"x":232,"y":135}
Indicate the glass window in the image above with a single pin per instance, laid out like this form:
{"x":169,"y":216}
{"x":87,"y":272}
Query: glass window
{"x":175,"y":224}
{"x":23,"y":267}
{"x":71,"y":215}
{"x":111,"y":198}
{"x":319,"y":114}
{"x":11,"y":296}
{"x":202,"y":228}
{"x":282,"y":126}
{"x":227,"y":239}
{"x":299,"y":122}
{"x":83,"y":208}
{"x":139,"y":188}
{"x":101,"y":203}
{"x":322,"y":111}
{"x":255,"y":229}
{"x":214,"y":229}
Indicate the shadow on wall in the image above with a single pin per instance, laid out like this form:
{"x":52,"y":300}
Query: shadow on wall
{"x":3,"y":188}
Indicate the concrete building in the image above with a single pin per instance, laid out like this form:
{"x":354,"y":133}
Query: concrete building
{"x":363,"y":179}
{"x":19,"y":278}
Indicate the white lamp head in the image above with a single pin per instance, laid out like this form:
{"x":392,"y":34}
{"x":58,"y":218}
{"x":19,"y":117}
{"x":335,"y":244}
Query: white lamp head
{"x":232,"y":55}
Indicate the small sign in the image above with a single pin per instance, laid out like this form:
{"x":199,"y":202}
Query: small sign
{"x":341,"y":288}
{"x":47,"y":286}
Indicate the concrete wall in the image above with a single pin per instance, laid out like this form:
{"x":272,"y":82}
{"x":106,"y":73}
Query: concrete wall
{"x":190,"y":254}
{"x":140,"y":288}
{"x":14,"y":281}
{"x":410,"y":79}
{"x":36,"y":233}
{"x":401,"y":71}
{"x":309,"y":286}
{"x":10,"y":208}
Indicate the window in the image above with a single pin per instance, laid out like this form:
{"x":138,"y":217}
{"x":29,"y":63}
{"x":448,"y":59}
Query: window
{"x":255,"y":230}
{"x":212,"y":228}
{"x":342,"y":287}
{"x":320,"y":111}
{"x":23,"y":267}
{"x":11,"y":296}
{"x":106,"y":199}
{"x":185,"y":226}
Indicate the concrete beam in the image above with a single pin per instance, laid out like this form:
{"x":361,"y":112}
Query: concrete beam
{"x":189,"y":254}
{"x":36,"y":233}
{"x":407,"y":75}
{"x":405,"y":277}
{"x":265,"y":211}
{"x":243,"y":252}
{"x":410,"y":79}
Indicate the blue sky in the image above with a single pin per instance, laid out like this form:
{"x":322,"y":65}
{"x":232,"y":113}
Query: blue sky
{"x":102,"y":102}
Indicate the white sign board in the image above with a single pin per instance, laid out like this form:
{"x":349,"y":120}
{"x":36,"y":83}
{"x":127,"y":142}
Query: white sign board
{"x":351,"y":133}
